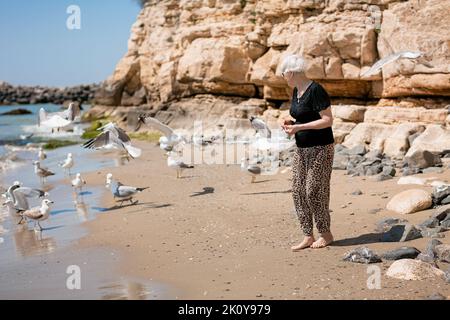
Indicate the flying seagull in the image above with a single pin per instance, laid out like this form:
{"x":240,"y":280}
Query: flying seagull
{"x":38,"y":213}
{"x":177,"y":164}
{"x":113,"y":137}
{"x":120,"y":191}
{"x":261,"y":127}
{"x":169,"y":139}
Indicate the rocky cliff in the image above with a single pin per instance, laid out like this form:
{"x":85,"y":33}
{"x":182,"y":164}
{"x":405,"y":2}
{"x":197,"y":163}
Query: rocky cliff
{"x":205,"y":58}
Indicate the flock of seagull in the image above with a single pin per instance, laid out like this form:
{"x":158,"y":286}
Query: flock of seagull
{"x":113,"y":137}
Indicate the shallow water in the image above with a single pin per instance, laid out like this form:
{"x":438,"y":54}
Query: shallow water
{"x":33,"y":264}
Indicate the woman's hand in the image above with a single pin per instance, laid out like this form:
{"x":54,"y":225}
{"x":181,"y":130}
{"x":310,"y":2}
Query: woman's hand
{"x":292,"y":129}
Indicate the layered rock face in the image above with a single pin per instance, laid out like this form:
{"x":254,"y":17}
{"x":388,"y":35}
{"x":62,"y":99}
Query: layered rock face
{"x":204,"y":51}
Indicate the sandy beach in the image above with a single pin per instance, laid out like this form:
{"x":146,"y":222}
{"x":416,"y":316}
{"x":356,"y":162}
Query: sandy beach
{"x":234,"y":242}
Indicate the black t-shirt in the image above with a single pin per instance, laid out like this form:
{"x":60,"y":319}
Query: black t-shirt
{"x":306,"y":109}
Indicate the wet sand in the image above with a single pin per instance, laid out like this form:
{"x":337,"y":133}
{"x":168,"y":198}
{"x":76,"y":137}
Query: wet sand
{"x":234,"y":243}
{"x":33,"y":265}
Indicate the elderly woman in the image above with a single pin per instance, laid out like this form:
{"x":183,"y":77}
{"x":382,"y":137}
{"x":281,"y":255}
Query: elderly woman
{"x":313,"y":159}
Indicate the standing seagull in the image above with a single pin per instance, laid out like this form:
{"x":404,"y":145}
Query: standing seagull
{"x":169,"y":139}
{"x":78,"y":184}
{"x":42,"y":173}
{"x":38,"y":213}
{"x":41,"y":154}
{"x":252,"y":169}
{"x":123,"y":193}
{"x":177,"y":164}
{"x":261,"y":127}
{"x":113,"y":137}
{"x":68,"y":163}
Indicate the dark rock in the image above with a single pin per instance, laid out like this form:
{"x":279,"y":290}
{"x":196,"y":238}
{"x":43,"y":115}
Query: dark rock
{"x":389,"y":170}
{"x":374,"y":154}
{"x":386,"y":223}
{"x":442,"y":213}
{"x":410,"y":171}
{"x":401,"y":233}
{"x":339,"y":148}
{"x":16,"y":112}
{"x":382,"y":177}
{"x":436,"y":296}
{"x":357,"y":192}
{"x":422,"y":159}
{"x":374,"y":169}
{"x":362,"y":255}
{"x":375,"y":210}
{"x":429,"y":223}
{"x":432,"y":232}
{"x":443,"y":252}
{"x":447,"y":275}
{"x":440,"y":192}
{"x":340,"y":161}
{"x":429,"y":255}
{"x":401,"y":253}
{"x":357,"y":150}
{"x":446,"y":200}
{"x":445,"y":224}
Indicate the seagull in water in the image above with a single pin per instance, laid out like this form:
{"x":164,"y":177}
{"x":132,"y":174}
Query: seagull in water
{"x":113,"y":137}
{"x":169,"y":139}
{"x":78,"y":183}
{"x":42,"y":173}
{"x":177,"y":164}
{"x":252,"y":169}
{"x":38,"y":213}
{"x":58,"y":120}
{"x":68,"y":163}
{"x":41,"y":154}
{"x":120,"y":191}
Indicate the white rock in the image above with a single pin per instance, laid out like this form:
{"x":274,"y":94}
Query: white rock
{"x":411,"y":180}
{"x":410,"y":269}
{"x":410,"y":201}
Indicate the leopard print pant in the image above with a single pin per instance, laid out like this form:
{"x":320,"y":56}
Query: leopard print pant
{"x":311,"y":170}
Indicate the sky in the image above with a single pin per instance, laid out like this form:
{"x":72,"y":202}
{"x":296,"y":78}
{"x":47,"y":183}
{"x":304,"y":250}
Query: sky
{"x":38,"y":48}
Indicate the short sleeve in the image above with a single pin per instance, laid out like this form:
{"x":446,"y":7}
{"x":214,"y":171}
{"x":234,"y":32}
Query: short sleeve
{"x":320,"y":99}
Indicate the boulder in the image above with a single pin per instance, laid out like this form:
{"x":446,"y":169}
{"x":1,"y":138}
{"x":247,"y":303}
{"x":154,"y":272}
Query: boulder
{"x":429,"y":255}
{"x":440,"y":192}
{"x":410,"y":201}
{"x":401,"y":233}
{"x":16,"y":112}
{"x":387,"y":223}
{"x":443,"y":252}
{"x":410,"y":269}
{"x":422,"y":159}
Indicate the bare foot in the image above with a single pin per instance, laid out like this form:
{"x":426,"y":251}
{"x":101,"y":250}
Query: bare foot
{"x":307,"y":242}
{"x":324,"y":240}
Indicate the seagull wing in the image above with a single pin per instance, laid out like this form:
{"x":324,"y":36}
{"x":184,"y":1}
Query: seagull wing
{"x":100,"y":141}
{"x":21,"y":202}
{"x":126,"y":191}
{"x":389,"y":59}
{"x":73,"y":111}
{"x":55,"y":121}
{"x":153,"y":122}
{"x":30,"y":192}
{"x":260,"y":126}
{"x":121,"y":134}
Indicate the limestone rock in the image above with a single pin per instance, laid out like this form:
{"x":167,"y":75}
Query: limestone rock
{"x":409,"y":269}
{"x":410,"y":201}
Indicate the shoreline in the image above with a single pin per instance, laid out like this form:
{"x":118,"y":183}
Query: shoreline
{"x":209,"y":247}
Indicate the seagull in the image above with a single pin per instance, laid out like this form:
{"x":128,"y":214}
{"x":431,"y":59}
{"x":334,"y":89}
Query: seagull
{"x":38,"y":213}
{"x":113,"y":137}
{"x":68,"y":163}
{"x":43,"y":173}
{"x":41,"y":154}
{"x":26,"y":136}
{"x":177,"y":164}
{"x":252,"y":169}
{"x":18,"y":195}
{"x":123,"y":193}
{"x":169,"y":139}
{"x":53,"y":121}
{"x":78,"y":182}
{"x":261,"y":127}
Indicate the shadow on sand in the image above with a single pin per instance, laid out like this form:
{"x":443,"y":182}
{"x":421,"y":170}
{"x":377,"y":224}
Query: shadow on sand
{"x":266,"y":192}
{"x":362,"y":239}
{"x":149,"y":205}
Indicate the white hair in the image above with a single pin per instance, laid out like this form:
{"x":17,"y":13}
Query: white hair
{"x":293,"y":63}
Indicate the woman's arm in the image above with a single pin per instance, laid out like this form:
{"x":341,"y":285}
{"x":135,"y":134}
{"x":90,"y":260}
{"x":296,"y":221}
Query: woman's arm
{"x":325,"y":121}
